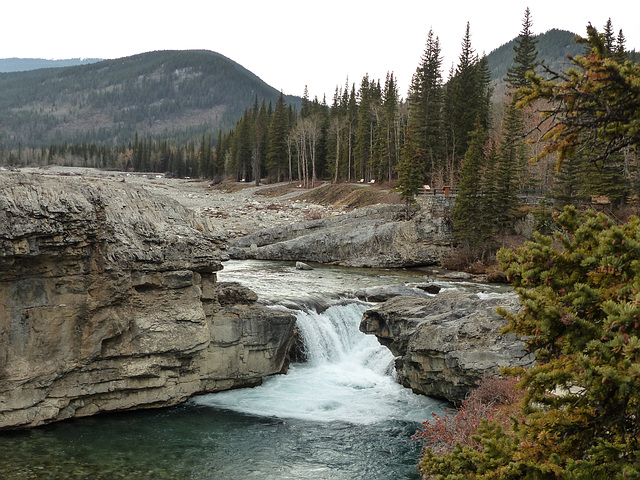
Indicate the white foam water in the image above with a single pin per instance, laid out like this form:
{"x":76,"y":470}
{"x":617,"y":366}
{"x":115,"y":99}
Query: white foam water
{"x":349,"y":377}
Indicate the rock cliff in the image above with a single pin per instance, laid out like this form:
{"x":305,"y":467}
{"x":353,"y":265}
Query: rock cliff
{"x":445,"y":344}
{"x":376,"y":236}
{"x":109,"y":301}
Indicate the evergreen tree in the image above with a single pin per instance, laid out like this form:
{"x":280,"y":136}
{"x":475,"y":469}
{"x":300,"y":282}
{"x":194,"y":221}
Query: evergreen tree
{"x":425,"y":111}
{"x":467,"y":101}
{"x":276,"y":159}
{"x":409,"y":171}
{"x":205,"y":158}
{"x":526,"y":54}
{"x":469,"y":212}
{"x":609,"y":38}
{"x":594,"y":110}
{"x":619,"y":53}
{"x":259,"y":142}
{"x":570,"y":186}
{"x":369,"y":96}
{"x":336,"y":139}
{"x":580,"y":309}
{"x":511,"y":161}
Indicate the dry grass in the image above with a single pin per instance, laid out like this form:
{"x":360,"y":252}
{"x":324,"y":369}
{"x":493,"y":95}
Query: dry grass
{"x":349,"y":195}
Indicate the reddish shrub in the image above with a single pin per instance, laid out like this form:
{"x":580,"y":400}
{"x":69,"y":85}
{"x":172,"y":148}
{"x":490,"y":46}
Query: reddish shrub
{"x":494,"y":400}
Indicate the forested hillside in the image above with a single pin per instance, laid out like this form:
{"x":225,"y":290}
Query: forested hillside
{"x":165,"y":94}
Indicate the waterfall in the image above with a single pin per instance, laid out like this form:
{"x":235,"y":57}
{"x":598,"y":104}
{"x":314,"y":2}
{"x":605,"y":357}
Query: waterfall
{"x":348,"y":377}
{"x":333,"y":337}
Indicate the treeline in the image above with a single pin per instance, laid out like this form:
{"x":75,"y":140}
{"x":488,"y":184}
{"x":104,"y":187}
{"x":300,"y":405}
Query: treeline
{"x":368,"y":129}
{"x":141,"y":155}
{"x":370,"y":134}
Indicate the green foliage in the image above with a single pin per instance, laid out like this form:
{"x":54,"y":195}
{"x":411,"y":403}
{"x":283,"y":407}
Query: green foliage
{"x":426,"y":112}
{"x":469,"y":212}
{"x":409,"y":171}
{"x":580,"y":292}
{"x":466,"y":101}
{"x":277,"y":154}
{"x":552,"y":46}
{"x":594,"y":108}
{"x":525,"y":59}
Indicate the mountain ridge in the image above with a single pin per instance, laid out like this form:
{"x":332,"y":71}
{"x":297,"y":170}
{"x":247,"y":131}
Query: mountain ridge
{"x":176,"y":94}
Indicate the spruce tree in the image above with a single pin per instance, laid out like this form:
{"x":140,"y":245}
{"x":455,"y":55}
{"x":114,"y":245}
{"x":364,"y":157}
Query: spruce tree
{"x":467,"y":101}
{"x":469,"y":211}
{"x":511,"y":160}
{"x":409,"y":171}
{"x":609,"y":38}
{"x":526,"y":54}
{"x":425,"y":111}
{"x":276,"y":159}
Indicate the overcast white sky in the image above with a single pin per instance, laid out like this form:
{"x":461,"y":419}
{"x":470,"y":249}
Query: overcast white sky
{"x":293,"y":43}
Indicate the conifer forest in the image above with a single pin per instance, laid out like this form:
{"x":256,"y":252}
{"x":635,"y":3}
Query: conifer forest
{"x":453,"y":129}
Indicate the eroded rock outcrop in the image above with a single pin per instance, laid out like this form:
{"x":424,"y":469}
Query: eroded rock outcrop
{"x":109,"y":301}
{"x":445,"y":344}
{"x":376,"y":236}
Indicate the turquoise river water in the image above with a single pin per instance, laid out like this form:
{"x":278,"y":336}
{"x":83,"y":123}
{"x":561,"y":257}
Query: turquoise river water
{"x":340,"y":415}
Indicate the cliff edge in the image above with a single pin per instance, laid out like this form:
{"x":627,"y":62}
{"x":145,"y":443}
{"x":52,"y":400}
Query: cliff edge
{"x":109,"y":301}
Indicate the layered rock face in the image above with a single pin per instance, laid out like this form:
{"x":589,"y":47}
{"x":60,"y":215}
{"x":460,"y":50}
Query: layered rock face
{"x":377,"y":237}
{"x":109,"y":301}
{"x":445,"y":344}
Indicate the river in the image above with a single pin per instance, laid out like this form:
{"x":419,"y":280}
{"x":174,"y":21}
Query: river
{"x":338,"y":416}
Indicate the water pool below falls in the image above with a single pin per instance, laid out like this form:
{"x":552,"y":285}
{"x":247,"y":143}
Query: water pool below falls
{"x":341,"y":415}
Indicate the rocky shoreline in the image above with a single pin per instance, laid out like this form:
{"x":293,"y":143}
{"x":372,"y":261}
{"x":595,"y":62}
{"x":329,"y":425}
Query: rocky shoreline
{"x":110,"y":300}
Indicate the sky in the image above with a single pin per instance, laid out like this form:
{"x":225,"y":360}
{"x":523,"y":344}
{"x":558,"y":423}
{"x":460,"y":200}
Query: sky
{"x":291,"y":44}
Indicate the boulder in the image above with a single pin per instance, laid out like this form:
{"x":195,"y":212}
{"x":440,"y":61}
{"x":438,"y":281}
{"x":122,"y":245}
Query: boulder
{"x":303,"y":266}
{"x":376,"y":236}
{"x":445,"y":344}
{"x":109,"y":301}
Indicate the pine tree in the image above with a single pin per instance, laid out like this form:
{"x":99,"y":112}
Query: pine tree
{"x":608,"y":37}
{"x":369,"y":95}
{"x":259,"y":142}
{"x":467,"y":100}
{"x":619,"y":52}
{"x":594,"y":109}
{"x":570,"y":185}
{"x":511,"y":160}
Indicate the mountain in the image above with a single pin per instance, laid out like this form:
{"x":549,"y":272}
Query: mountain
{"x":166,"y":94}
{"x":24,"y":64}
